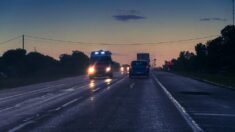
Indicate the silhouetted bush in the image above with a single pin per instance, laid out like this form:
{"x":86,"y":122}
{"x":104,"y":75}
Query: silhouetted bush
{"x":17,"y":63}
{"x":75,"y":63}
{"x":216,"y":56}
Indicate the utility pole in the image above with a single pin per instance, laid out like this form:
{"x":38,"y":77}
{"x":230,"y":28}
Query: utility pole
{"x":23,"y":41}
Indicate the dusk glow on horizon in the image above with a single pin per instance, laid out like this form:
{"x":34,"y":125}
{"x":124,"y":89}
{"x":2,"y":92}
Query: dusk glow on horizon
{"x":114,"y":22}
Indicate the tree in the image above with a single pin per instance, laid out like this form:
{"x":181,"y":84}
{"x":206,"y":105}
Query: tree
{"x":13,"y":63}
{"x":75,"y":63}
{"x":39,"y":64}
{"x":228,"y":49}
{"x":201,"y":57}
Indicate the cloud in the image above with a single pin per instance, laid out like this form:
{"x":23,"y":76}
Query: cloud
{"x":213,"y":19}
{"x":127,"y":15}
{"x":125,"y":18}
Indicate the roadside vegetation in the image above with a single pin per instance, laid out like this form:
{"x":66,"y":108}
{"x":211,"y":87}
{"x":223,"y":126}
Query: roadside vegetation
{"x":212,"y":61}
{"x":17,"y":67}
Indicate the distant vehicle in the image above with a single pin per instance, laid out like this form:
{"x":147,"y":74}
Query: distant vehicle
{"x":143,"y":57}
{"x":125,"y":68}
{"x":139,"y":68}
{"x":100,"y":64}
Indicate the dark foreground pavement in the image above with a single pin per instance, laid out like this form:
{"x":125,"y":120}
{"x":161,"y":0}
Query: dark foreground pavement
{"x":77,"y":104}
{"x":212,"y":107}
{"x":164,"y":102}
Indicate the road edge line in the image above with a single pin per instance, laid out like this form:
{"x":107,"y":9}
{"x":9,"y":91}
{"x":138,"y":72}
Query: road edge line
{"x":194,"y":126}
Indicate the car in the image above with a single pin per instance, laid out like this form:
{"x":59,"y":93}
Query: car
{"x":139,"y":68}
{"x":125,"y":68}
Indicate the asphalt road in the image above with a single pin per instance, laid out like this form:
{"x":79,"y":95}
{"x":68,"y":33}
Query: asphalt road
{"x":163,"y":102}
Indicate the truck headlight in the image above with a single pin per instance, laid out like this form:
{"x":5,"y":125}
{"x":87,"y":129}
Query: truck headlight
{"x":108,"y":69}
{"x":91,"y":70}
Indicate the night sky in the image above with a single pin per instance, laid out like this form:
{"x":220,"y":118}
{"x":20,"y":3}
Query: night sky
{"x":112,"y":21}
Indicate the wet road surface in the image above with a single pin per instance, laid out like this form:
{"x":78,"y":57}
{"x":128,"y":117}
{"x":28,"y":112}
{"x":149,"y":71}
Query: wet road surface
{"x":163,"y":102}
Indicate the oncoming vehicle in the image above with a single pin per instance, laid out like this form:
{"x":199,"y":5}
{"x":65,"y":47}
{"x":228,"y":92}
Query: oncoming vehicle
{"x":139,"y":68}
{"x":125,"y":68}
{"x":100,"y":64}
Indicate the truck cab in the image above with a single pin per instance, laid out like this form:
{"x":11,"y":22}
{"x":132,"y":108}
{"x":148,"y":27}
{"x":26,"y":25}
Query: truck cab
{"x":100,"y":64}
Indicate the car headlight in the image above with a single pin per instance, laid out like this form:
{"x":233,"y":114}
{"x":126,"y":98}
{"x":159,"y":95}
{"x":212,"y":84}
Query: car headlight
{"x":91,"y":70}
{"x":122,"y":69}
{"x":108,"y":69}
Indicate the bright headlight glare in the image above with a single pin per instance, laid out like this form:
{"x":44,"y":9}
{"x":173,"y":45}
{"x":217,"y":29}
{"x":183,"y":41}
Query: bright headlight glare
{"x":108,"y":69}
{"x":122,"y":69}
{"x":91,"y":70}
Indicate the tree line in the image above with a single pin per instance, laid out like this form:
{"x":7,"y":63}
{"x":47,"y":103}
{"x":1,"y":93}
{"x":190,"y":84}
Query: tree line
{"x":215,"y":56}
{"x":18,"y":63}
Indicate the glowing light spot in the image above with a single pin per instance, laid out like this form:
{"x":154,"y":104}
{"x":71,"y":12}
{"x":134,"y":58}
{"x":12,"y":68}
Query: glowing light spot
{"x":108,"y":81}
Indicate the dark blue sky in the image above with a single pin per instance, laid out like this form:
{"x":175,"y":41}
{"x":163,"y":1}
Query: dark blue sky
{"x":114,"y":21}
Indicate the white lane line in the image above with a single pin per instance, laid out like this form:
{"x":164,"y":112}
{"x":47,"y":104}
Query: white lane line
{"x":38,"y":90}
{"x":8,"y":108}
{"x":94,"y":90}
{"x":69,"y":89}
{"x":70,"y":102}
{"x":58,"y":108}
{"x":20,"y":126}
{"x":214,"y":114}
{"x":132,"y":85}
{"x":194,"y":126}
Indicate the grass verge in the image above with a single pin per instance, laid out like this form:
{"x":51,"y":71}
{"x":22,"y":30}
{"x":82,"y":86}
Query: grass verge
{"x":226,"y":80}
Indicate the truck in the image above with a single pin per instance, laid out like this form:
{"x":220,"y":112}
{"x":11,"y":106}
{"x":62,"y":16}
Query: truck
{"x":143,"y":57}
{"x":100,"y":64}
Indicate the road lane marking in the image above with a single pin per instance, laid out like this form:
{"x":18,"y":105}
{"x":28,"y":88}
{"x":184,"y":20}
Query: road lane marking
{"x":194,"y":126}
{"x":70,"y":102}
{"x":38,"y":90}
{"x":214,"y":114}
{"x":30,"y":120}
{"x":69,"y":89}
{"x":95,"y":90}
{"x":132,"y":85}
{"x":20,"y":126}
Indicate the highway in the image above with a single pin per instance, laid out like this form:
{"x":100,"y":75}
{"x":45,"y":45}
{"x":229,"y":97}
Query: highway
{"x":163,"y":102}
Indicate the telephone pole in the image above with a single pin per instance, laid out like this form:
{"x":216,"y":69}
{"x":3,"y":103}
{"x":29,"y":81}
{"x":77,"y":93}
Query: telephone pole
{"x":23,"y":41}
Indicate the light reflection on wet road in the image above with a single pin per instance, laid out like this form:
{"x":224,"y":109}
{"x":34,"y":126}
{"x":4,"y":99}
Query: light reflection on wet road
{"x":119,"y":104}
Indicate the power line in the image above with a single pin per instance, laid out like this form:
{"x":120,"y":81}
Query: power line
{"x":4,"y":42}
{"x":56,"y":40}
{"x":112,"y":44}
